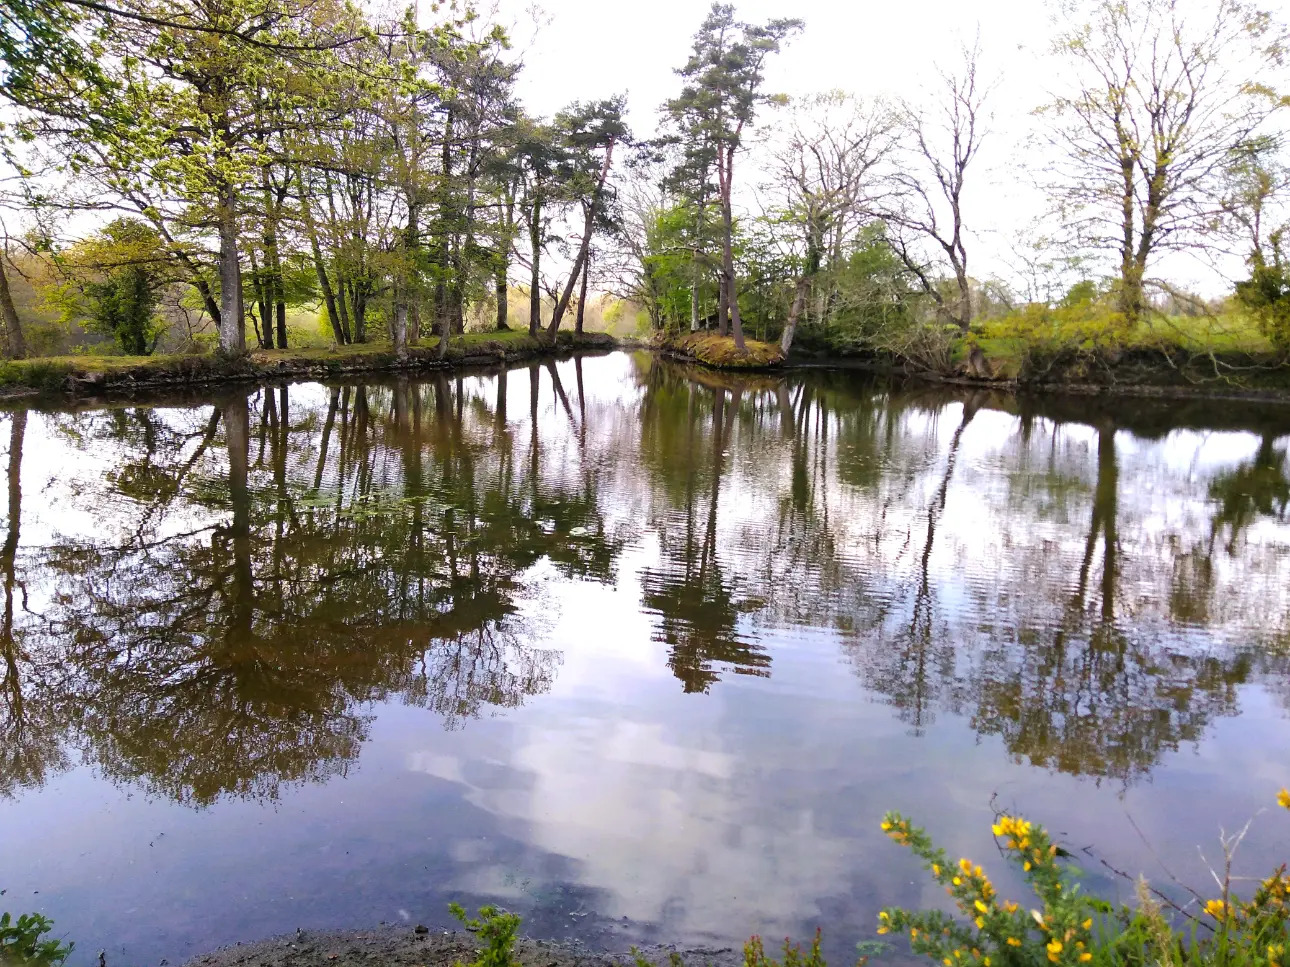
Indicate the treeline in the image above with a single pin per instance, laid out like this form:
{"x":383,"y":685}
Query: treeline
{"x":244,"y":158}
{"x":263,"y":155}
{"x":865,"y":223}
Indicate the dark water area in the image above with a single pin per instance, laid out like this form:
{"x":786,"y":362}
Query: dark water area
{"x":638,"y":652}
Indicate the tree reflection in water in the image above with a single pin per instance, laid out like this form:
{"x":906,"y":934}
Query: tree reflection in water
{"x":271,"y":566}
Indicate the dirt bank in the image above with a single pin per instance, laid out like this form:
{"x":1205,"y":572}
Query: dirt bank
{"x":402,"y":946}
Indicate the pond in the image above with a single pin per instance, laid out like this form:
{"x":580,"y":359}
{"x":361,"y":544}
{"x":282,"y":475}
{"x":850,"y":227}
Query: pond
{"x":639,"y":652}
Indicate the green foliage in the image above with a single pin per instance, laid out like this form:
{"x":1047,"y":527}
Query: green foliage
{"x":21,"y":943}
{"x":1040,"y":330}
{"x":1070,"y":928}
{"x":1266,"y":293}
{"x":41,"y":41}
{"x":112,"y":283}
{"x":755,"y":954}
{"x":1081,"y":293}
{"x":495,"y":929}
{"x":123,"y":305}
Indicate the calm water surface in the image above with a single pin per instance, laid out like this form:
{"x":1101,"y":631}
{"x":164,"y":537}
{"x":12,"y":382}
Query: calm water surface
{"x":640,"y":653}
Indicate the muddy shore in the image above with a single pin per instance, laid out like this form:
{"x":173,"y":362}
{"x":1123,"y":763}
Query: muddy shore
{"x":404,"y":946}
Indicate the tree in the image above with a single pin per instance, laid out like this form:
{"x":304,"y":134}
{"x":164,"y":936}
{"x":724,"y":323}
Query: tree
{"x":197,"y":95}
{"x":586,"y":128}
{"x":822,"y":173}
{"x":538,"y":156}
{"x":15,"y":346}
{"x":1159,"y":96}
{"x":723,"y":89}
{"x":114,"y":279}
{"x":930,"y":181}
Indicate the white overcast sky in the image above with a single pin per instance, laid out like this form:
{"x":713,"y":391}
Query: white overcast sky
{"x":592,"y":48}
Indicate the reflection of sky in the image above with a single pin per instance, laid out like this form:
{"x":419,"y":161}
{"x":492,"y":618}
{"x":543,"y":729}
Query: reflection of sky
{"x":617,"y":807}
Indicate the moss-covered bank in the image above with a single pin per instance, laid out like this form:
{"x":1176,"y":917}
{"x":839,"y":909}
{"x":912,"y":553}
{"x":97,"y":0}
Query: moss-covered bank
{"x":718,"y":352}
{"x":98,"y":375}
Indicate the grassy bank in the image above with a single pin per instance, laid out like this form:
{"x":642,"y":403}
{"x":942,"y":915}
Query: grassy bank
{"x":96,"y":374}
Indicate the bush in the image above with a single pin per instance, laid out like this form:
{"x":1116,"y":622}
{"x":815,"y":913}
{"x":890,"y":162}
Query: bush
{"x":1072,"y":929}
{"x":20,"y":941}
{"x":496,"y":929}
{"x":1266,"y":293}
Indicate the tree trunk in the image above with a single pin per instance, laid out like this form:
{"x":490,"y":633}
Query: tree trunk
{"x":263,"y":301}
{"x":445,"y":333}
{"x":723,"y":303}
{"x":965,"y":298}
{"x":15,"y":344}
{"x":1132,"y":297}
{"x":399,"y":326}
{"x":499,"y":409}
{"x":447,"y":225}
{"x":358,"y":310}
{"x":799,"y":302}
{"x":339,"y":326}
{"x":535,"y":278}
{"x":237,"y":436}
{"x":502,"y":290}
{"x":582,"y":297}
{"x":562,"y":305}
{"x":232,"y":325}
{"x":282,"y":301}
{"x":584,"y":250}
{"x":404,"y":291}
{"x":694,"y":302}
{"x":342,"y":309}
{"x":339,"y":332}
{"x":728,"y":265}
{"x":17,"y":429}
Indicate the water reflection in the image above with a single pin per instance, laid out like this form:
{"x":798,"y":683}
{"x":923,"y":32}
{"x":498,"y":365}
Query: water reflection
{"x":223,"y":600}
{"x":268,"y":567}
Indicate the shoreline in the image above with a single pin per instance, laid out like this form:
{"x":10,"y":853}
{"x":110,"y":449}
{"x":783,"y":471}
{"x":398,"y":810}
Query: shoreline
{"x":77,"y":378}
{"x":391,"y":945}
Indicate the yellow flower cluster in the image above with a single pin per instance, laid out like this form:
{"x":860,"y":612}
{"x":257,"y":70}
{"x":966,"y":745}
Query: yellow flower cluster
{"x":1283,"y":799}
{"x":1276,"y":952}
{"x":1216,"y":909}
{"x":898,"y":831}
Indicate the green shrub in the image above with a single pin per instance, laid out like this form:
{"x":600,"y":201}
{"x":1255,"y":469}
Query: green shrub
{"x":495,"y":929}
{"x":21,"y":943}
{"x":1266,"y":293}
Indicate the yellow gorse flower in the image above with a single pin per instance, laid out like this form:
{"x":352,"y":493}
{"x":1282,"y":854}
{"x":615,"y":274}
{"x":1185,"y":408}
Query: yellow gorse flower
{"x":1216,"y":909}
{"x":1283,"y":799}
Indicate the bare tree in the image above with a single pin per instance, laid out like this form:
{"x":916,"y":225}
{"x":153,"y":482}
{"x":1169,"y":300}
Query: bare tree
{"x":1160,"y":95}
{"x":927,"y":207}
{"x":823,"y":169}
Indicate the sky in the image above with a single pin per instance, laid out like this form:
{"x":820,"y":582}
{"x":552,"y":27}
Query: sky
{"x":583,"y":49}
